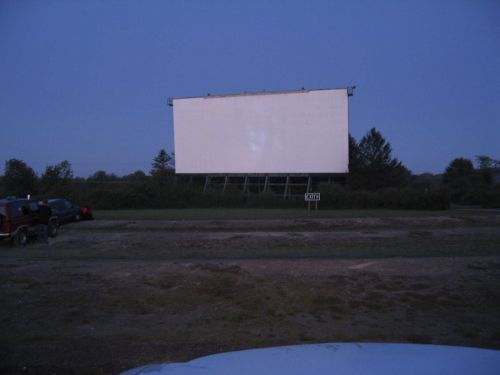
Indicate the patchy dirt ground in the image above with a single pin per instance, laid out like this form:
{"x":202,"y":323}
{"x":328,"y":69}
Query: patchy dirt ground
{"x":107,"y":295}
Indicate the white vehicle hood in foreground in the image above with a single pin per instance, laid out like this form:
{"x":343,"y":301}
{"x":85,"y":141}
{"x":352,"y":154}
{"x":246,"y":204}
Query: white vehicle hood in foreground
{"x":338,"y":358}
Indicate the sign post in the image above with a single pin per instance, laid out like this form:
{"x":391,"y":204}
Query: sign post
{"x":312,"y":197}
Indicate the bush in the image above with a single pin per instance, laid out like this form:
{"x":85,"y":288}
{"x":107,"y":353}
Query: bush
{"x":490,"y":198}
{"x":335,"y":196}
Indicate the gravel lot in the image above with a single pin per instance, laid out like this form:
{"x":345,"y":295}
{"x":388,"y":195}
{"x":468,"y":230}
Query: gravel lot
{"x":108,"y":295}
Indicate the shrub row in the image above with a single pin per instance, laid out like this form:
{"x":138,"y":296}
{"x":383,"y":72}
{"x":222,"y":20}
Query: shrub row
{"x":148,"y":194}
{"x":335,"y":196}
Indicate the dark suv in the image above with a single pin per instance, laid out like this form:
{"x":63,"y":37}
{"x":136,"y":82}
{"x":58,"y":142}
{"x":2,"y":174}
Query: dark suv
{"x":19,"y":220}
{"x":64,"y":210}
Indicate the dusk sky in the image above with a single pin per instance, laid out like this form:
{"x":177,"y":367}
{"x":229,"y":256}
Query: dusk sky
{"x":88,"y":81}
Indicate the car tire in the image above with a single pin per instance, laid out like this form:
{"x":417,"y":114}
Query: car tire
{"x":78,"y":217}
{"x":53,"y":229}
{"x":21,"y":238}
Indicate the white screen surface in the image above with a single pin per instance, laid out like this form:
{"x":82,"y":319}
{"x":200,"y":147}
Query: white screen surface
{"x":287,"y":132}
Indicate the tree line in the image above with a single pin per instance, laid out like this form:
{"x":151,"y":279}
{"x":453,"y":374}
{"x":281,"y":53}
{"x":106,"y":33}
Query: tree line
{"x":376,"y":180}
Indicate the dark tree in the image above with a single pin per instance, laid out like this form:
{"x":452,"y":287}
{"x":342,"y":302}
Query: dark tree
{"x":458,"y":169}
{"x":485,"y":162}
{"x":373,"y":166}
{"x":57,"y":178}
{"x":487,"y":167}
{"x":162,"y":168}
{"x":462,"y":181}
{"x":19,"y":179}
{"x":354,"y":155}
{"x":103,"y":177}
{"x":162,"y":163}
{"x":375,"y":151}
{"x":137,"y":176}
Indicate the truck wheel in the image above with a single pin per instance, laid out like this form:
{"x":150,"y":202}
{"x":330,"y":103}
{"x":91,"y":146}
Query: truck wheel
{"x":21,"y":238}
{"x":53,"y":229}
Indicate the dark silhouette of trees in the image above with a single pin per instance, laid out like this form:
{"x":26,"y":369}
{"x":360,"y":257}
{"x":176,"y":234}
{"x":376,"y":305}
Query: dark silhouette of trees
{"x":102,"y":177}
{"x":467,"y":185}
{"x":162,"y":163}
{"x":19,"y":179}
{"x":372,"y":166}
{"x":487,"y":167}
{"x":355,"y":162}
{"x":136,"y":177}
{"x":458,"y":169}
{"x":486,"y":162}
{"x":462,"y":181}
{"x":162,"y":167}
{"x":139,"y":190}
{"x":57,"y":179}
{"x":376,"y":180}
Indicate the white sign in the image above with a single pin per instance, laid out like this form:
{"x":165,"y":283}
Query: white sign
{"x":311,"y":197}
